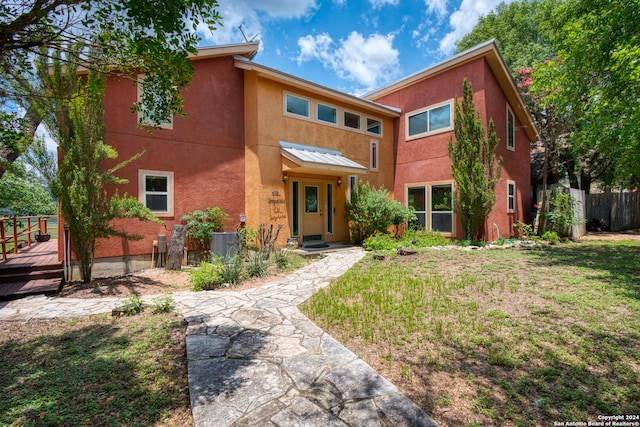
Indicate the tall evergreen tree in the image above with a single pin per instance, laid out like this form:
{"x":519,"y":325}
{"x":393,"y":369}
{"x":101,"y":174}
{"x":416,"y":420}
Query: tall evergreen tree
{"x":474,"y":165}
{"x":76,"y":122}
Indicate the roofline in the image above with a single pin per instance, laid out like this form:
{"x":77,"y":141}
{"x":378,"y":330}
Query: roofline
{"x":248,"y":50}
{"x":497,"y":64}
{"x":279,"y":76}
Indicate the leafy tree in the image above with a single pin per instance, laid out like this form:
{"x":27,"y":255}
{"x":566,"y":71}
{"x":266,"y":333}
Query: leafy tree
{"x":76,"y":123}
{"x":371,"y":211}
{"x":474,"y":165}
{"x":596,"y":76}
{"x":123,"y":36}
{"x":22,"y":195}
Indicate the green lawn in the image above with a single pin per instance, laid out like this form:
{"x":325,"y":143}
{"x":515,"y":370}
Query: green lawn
{"x":94,"y":371}
{"x":520,"y":337}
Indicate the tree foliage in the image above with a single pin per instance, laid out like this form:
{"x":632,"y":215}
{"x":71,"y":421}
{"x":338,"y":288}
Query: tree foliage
{"x":371,"y":211}
{"x":76,"y":123}
{"x":122,"y":36}
{"x":474,"y":165}
{"x":21,"y":195}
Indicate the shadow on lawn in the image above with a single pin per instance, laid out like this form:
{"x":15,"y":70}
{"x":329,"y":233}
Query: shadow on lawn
{"x":89,"y":375}
{"x":615,"y":263}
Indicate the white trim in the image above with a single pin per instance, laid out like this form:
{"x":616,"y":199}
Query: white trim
{"x":142,"y":190}
{"x":510,"y":197}
{"x":291,"y":114}
{"x":513,"y":131}
{"x":374,"y":155}
{"x":140,"y":116}
{"x":428,"y":212}
{"x":344,"y":125}
{"x":427,"y":110}
{"x":337,"y":111}
{"x":366,"y":125}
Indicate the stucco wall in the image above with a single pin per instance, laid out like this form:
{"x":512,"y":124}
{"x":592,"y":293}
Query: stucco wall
{"x":204,"y":150}
{"x":268,"y":197}
{"x":426,"y":159}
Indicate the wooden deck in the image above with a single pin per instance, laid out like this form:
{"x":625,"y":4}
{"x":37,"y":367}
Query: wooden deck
{"x":34,"y":270}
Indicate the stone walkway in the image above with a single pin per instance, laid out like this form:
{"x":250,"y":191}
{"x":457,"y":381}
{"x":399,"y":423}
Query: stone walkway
{"x":255,"y":360}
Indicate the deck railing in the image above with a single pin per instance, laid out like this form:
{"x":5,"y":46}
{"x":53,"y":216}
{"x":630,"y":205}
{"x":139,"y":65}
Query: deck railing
{"x":23,"y":228}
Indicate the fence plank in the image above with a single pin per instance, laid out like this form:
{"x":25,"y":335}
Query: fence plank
{"x":619,"y":211}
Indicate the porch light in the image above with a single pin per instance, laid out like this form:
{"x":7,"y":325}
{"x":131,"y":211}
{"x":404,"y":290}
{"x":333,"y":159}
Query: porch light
{"x":339,"y":181}
{"x":285,"y":177}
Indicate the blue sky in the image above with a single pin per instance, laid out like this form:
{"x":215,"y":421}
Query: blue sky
{"x":354,"y":46}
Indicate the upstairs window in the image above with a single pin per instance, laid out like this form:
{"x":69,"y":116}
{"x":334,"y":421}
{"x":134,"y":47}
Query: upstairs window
{"x":511,"y":130}
{"x":351,"y":120}
{"x":154,"y":97}
{"x":297,"y":106}
{"x":431,"y":120}
{"x":374,"y":126}
{"x":327,"y":114}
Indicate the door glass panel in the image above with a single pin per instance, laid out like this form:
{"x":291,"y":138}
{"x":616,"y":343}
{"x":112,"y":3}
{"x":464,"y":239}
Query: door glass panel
{"x":330,"y":208}
{"x":310,"y":199}
{"x":295,"y":207}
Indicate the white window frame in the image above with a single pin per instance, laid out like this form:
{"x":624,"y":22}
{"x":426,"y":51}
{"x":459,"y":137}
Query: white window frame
{"x":318,"y":104}
{"x":427,"y":110}
{"x":291,"y":114}
{"x":511,"y":199}
{"x":374,"y":155}
{"x":359,"y":128}
{"x":511,"y":133}
{"x":428,"y":212}
{"x":367,"y":118}
{"x":142,"y":190}
{"x":140,"y":116}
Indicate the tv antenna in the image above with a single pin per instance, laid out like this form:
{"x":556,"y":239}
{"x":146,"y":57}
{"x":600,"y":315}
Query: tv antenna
{"x":250,"y":39}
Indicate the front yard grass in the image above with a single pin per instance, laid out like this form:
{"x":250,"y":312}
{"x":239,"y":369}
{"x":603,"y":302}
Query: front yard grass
{"x":95,"y":371}
{"x":509,"y":337}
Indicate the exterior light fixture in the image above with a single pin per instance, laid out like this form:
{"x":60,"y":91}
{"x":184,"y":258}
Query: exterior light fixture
{"x":339,"y":182}
{"x":285,"y":177}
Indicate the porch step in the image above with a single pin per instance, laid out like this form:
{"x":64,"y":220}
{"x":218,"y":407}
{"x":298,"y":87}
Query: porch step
{"x":20,"y":281}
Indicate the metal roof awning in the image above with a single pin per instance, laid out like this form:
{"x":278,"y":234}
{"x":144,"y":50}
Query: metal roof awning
{"x":311,"y":159}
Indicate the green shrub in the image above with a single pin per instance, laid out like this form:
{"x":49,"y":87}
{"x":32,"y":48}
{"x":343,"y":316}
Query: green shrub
{"x":257,"y":266}
{"x":561,"y":208}
{"x":523,"y":230}
{"x":200,"y":224}
{"x":551,"y":237}
{"x":281,"y":258}
{"x":380,"y":242}
{"x":207,"y":276}
{"x":371,"y":211}
{"x":163,"y":304}
{"x":133,"y":305}
{"x":231,"y":271}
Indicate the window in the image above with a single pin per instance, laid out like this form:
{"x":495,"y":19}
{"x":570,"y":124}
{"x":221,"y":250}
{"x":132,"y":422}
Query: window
{"x":156,"y":191}
{"x":353,"y":183}
{"x":297,"y":106}
{"x":374,"y":126}
{"x":416,"y":200}
{"x":295,"y":189}
{"x":351,"y":120}
{"x":154,"y":108}
{"x":511,"y":196}
{"x":511,"y":130}
{"x":327,"y":114}
{"x":442,"y":208}
{"x":373,"y":155}
{"x":431,"y":120}
{"x":330,"y":208}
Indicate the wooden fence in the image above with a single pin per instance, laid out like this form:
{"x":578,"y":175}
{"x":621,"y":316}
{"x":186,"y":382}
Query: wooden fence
{"x":619,"y":211}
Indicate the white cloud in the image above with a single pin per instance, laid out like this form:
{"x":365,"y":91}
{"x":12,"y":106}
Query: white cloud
{"x":251,"y":14}
{"x":464,"y":19}
{"x":379,"y":3}
{"x":439,"y":7}
{"x":367,"y":61}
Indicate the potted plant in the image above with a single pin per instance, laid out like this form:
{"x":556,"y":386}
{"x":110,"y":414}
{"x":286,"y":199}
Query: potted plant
{"x":43,"y":237}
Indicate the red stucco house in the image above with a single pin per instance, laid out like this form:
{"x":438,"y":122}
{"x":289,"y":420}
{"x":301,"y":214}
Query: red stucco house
{"x":423,"y":167}
{"x":271,"y":148}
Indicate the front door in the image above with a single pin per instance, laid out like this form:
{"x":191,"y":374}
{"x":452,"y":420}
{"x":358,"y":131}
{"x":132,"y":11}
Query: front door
{"x":313,"y":206}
